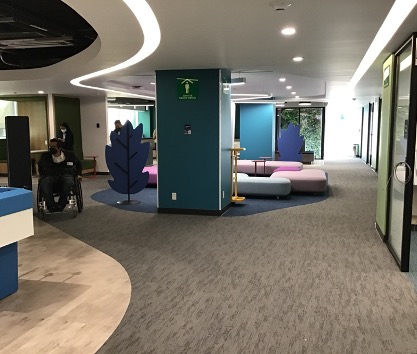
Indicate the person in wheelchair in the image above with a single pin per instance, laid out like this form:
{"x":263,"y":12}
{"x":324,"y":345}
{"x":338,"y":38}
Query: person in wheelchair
{"x":57,"y":168}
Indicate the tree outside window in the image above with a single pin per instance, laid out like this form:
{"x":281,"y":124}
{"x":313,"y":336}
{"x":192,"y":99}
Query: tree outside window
{"x":311,"y":128}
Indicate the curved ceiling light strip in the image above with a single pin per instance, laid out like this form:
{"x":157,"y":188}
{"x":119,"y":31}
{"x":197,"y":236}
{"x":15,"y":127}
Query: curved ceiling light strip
{"x":250,"y":96}
{"x":396,"y":16}
{"x":152,"y":37}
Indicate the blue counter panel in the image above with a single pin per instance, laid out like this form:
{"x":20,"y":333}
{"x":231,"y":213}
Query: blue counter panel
{"x":13,"y":200}
{"x":8,"y":270}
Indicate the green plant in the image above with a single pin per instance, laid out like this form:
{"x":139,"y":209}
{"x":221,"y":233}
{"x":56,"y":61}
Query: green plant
{"x":310,"y":120}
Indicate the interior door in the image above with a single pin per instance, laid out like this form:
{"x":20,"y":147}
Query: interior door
{"x":402,"y":161}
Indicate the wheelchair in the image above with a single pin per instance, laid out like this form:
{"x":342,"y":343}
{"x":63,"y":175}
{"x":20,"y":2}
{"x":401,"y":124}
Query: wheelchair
{"x":74,"y":201}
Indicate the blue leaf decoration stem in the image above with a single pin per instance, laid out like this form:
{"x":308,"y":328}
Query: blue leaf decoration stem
{"x":126,"y":158}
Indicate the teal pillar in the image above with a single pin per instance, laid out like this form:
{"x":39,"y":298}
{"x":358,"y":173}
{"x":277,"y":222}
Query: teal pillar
{"x":194,"y":129}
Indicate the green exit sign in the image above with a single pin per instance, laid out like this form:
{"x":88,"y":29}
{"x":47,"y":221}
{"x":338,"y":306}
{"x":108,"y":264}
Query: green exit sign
{"x":187,"y":89}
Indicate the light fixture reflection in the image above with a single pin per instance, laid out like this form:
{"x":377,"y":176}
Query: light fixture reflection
{"x":405,"y":63}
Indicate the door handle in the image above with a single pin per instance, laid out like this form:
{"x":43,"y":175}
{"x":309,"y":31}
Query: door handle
{"x":408,"y":168}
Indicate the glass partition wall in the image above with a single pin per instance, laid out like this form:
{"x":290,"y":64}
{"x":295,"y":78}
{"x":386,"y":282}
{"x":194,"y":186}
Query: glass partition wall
{"x":403,"y":137}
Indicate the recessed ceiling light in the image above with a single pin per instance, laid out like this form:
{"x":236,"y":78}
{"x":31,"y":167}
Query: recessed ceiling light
{"x":297,"y":59}
{"x":152,"y":83}
{"x":282,"y":79}
{"x":288,"y":31}
{"x":297,"y":96}
{"x":293,"y":93}
{"x":304,"y":103}
{"x":41,"y":91}
{"x":289,"y":87}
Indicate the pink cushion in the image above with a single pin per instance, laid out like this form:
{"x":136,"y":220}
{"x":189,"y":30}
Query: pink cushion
{"x":306,"y":180}
{"x":248,"y":166}
{"x":287,"y":168}
{"x":153,"y":173}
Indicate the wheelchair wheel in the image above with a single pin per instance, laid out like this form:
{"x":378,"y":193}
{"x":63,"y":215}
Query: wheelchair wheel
{"x":79,"y":197}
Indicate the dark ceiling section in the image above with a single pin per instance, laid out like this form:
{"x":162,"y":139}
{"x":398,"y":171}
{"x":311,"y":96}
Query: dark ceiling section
{"x":38,"y":33}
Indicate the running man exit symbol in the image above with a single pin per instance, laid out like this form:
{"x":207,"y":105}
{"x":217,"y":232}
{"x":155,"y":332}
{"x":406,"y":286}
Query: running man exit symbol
{"x":187,"y":89}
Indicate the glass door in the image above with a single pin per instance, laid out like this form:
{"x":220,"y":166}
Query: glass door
{"x":402,"y":161}
{"x":311,"y":121}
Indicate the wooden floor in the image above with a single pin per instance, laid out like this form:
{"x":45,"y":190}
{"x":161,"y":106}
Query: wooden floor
{"x":71,"y":296}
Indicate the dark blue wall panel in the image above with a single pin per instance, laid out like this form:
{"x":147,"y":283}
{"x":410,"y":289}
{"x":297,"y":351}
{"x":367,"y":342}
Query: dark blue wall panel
{"x":8,"y":270}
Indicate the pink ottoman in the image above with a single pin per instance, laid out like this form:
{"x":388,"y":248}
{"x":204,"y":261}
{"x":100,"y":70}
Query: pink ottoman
{"x":153,"y":173}
{"x":306,"y":180}
{"x":248,"y":166}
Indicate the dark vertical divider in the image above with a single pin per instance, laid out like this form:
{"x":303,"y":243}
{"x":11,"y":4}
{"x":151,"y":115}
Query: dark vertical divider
{"x":18,"y":152}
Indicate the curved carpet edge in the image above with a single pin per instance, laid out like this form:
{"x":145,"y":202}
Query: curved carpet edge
{"x":147,"y":201}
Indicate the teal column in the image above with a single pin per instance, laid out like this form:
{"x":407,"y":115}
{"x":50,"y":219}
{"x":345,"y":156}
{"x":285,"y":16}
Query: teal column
{"x":194,"y":130}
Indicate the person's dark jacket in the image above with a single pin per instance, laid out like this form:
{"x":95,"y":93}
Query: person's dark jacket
{"x":68,"y":144}
{"x":47,"y":166}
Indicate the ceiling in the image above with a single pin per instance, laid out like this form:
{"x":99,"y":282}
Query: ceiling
{"x":240,"y":35}
{"x":32,"y":36}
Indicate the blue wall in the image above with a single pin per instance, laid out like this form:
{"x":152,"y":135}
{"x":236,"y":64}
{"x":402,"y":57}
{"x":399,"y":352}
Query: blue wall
{"x":8,"y":270}
{"x":144,"y":117}
{"x":257,"y":130}
{"x":192,"y":165}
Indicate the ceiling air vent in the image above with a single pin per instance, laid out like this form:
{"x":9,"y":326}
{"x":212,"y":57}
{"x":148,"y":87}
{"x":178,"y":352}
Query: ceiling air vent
{"x":279,"y":5}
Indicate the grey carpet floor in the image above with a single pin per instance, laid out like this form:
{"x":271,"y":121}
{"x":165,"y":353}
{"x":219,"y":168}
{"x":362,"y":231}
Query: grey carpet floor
{"x":309,"y":279}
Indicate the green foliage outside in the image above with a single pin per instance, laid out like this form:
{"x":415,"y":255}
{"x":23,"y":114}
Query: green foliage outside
{"x":289,"y":116}
{"x":311,"y":126}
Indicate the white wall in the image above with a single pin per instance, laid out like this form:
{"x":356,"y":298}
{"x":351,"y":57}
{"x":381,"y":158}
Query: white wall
{"x":343,"y":125}
{"x":7,"y":108}
{"x":94,"y":111}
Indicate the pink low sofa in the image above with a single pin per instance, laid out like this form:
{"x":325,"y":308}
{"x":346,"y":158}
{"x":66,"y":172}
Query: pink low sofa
{"x":248,"y":166}
{"x":153,"y":173}
{"x":307,"y":180}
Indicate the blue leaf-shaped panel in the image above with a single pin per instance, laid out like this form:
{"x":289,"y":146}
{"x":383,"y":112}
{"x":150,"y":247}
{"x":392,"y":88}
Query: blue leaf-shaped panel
{"x":290,"y":143}
{"x":126,"y":158}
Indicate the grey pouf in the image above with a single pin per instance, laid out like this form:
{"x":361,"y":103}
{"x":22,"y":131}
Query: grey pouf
{"x":262,"y":186}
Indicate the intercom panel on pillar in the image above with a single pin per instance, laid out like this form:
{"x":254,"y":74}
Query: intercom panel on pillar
{"x":18,"y":152}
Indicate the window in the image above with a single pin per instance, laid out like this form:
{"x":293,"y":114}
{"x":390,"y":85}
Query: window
{"x":312,"y":126}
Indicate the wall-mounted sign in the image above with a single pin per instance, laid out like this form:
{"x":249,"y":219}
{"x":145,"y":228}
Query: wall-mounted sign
{"x":386,"y":76}
{"x":187,"y":89}
{"x":226,"y":86}
{"x":187,"y":129}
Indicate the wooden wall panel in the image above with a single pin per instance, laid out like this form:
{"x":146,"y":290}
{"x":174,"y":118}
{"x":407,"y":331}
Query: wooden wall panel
{"x":36,"y":111}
